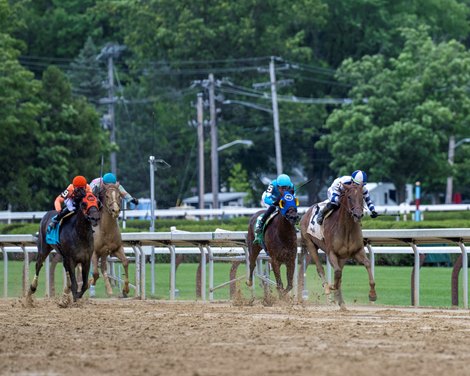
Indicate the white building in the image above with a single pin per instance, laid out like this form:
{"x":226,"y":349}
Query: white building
{"x":386,"y":194}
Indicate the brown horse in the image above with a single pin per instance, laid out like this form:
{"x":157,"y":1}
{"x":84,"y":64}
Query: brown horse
{"x":75,"y":243}
{"x":280,"y":242}
{"x":107,"y":238}
{"x":342,"y":239}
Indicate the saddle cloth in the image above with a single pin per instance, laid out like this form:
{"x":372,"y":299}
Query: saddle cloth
{"x":52,"y":234}
{"x":314,"y":228}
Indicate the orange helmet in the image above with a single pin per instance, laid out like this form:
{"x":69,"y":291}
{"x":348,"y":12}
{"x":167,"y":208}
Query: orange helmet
{"x":79,"y":181}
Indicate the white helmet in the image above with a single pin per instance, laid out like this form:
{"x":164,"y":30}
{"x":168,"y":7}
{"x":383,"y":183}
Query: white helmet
{"x":359,"y":177}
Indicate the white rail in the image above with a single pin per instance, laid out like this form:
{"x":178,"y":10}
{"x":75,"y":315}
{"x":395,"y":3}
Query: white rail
{"x":232,"y":244}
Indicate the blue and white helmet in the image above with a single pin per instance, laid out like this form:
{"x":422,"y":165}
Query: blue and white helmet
{"x":359,"y":177}
{"x":283,"y":180}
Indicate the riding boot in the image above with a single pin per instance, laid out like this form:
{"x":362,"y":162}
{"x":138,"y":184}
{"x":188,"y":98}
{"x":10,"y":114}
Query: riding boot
{"x":326,"y":209}
{"x":59,"y":216}
{"x":260,"y":224}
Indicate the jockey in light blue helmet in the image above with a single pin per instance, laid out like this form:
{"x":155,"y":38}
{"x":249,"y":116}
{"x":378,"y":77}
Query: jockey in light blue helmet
{"x":109,"y":178}
{"x":271,"y":198}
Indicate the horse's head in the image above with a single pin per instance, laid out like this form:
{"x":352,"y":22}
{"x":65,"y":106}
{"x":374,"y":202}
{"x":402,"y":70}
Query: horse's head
{"x":353,"y":200}
{"x":111,"y":198}
{"x":89,"y":207}
{"x":288,"y":205}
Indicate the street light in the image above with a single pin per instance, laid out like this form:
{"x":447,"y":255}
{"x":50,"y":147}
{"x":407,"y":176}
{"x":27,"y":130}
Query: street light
{"x":452,"y":146}
{"x":243,"y":142}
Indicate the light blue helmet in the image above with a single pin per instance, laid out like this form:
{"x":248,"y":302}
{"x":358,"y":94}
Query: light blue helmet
{"x":359,"y":177}
{"x":283,"y":180}
{"x":109,"y":178}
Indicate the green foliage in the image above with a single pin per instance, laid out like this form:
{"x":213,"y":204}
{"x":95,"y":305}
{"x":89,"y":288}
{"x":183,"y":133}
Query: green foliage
{"x":414,"y":104}
{"x":238,"y":182}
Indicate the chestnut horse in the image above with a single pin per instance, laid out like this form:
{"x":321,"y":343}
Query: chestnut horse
{"x":107,"y":237}
{"x":280,"y":241}
{"x":75,"y":243}
{"x":342,"y":239}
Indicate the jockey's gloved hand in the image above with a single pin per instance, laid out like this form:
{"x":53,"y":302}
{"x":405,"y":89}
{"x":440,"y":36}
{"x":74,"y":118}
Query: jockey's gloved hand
{"x":134,"y":201}
{"x":374,"y":214}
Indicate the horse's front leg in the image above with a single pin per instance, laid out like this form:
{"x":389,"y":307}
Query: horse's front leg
{"x":290,"y":269}
{"x":125,"y":264}
{"x":72,"y":284}
{"x":277,"y":274}
{"x":362,"y":258}
{"x":338,"y":270}
{"x":85,"y":271}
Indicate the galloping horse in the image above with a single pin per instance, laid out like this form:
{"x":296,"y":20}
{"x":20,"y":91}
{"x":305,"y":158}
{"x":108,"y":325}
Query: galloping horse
{"x":280,"y":241}
{"x":342,"y":239}
{"x":76,"y":243}
{"x":107,"y":238}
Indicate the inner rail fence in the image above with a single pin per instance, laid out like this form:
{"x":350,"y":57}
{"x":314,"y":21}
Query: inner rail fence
{"x":230,"y":246}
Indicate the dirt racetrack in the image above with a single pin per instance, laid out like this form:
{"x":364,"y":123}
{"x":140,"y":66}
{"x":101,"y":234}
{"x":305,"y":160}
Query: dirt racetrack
{"x":133,"y":337}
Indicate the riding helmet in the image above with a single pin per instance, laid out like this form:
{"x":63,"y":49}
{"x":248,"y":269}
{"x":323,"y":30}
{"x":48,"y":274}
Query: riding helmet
{"x":109,"y":178}
{"x":79,"y":181}
{"x":359,"y":177}
{"x":283,"y":180}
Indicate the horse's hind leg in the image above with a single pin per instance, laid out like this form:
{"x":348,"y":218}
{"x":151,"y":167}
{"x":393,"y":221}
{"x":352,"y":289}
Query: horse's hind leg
{"x":313,"y":251}
{"x":39,"y":262}
{"x":104,"y":271}
{"x":254,"y":251}
{"x":95,"y":272}
{"x":125,"y":264}
{"x":362,"y":258}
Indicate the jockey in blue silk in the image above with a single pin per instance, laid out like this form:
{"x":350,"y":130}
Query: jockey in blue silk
{"x":110,"y":178}
{"x":270,"y":199}
{"x":358,"y":177}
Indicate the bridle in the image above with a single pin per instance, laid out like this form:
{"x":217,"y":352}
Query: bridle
{"x":354,"y":211}
{"x":112,"y":200}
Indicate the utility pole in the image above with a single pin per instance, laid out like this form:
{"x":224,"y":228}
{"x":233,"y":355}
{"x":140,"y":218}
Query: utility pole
{"x":109,"y":52}
{"x":277,"y":132}
{"x":200,"y":142}
{"x":112,"y":136}
{"x":214,"y":144}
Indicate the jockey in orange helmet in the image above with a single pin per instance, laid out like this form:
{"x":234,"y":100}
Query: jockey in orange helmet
{"x":80,"y":187}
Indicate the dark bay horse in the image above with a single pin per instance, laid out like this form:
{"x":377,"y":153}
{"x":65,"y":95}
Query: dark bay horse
{"x":107,"y":238}
{"x":280,"y":240}
{"x":76,"y":243}
{"x":342,"y":239}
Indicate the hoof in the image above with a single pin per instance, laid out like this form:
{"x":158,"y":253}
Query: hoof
{"x":249,"y":283}
{"x":372,"y":298}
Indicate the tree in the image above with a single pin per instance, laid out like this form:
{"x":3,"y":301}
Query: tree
{"x":87,"y":75}
{"x":19,"y":110}
{"x":404,"y":111}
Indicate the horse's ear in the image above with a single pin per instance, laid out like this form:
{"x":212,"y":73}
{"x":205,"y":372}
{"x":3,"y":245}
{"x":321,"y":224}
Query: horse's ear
{"x":281,"y":204}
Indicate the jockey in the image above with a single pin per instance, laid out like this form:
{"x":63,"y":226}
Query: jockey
{"x":270,"y":199}
{"x":79,"y":187}
{"x":110,"y":178}
{"x":358,"y":177}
